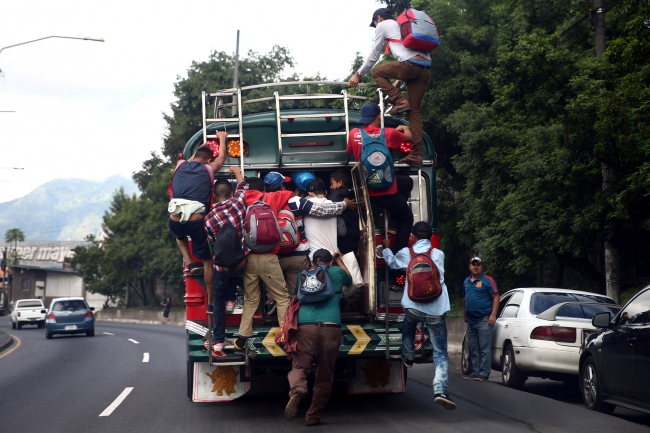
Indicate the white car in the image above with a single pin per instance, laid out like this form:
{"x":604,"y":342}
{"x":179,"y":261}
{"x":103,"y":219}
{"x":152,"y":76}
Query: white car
{"x":539,"y":332}
{"x":28,"y":312}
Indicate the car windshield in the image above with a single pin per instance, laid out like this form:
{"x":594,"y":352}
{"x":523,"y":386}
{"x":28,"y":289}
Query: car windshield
{"x":69,"y":305}
{"x":29,"y":304}
{"x":542,"y":301}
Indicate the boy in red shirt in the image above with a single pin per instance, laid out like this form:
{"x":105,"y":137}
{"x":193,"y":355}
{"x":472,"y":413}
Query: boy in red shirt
{"x":389,"y":199}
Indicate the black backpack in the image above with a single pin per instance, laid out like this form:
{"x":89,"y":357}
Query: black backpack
{"x":228,"y":251}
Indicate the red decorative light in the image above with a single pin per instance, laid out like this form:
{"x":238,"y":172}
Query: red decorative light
{"x":401,"y":280}
{"x":405,"y":147}
{"x":214,"y":147}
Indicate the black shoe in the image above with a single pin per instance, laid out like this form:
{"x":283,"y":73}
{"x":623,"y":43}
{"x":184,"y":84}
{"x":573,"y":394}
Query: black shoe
{"x":271,"y":308}
{"x":445,"y":401}
{"x":481,"y":378}
{"x":408,"y":363}
{"x":239,"y":344}
{"x":469,"y":376}
{"x":293,"y":405}
{"x":313,"y":421}
{"x":195,"y":268}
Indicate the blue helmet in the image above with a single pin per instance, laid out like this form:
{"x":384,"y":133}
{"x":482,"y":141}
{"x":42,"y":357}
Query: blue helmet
{"x":302,"y":179}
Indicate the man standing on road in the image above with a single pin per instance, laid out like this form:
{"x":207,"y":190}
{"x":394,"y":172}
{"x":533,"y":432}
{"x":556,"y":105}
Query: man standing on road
{"x":433,"y":313}
{"x":480,"y":306}
{"x":412,"y":67}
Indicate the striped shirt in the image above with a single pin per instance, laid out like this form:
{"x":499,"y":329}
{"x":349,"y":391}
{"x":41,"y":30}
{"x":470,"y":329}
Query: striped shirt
{"x":231,"y":211}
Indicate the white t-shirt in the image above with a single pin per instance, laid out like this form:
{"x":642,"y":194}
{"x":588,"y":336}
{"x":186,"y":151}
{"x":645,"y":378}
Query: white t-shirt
{"x":321,"y":232}
{"x":388,"y":29}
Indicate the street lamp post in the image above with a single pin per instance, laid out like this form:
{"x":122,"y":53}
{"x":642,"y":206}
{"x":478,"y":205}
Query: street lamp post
{"x":48,"y":37}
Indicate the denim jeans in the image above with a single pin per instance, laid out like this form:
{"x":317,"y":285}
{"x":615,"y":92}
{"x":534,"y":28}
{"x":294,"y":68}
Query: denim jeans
{"x":479,"y":342}
{"x":437,"y":329}
{"x":224,"y":286}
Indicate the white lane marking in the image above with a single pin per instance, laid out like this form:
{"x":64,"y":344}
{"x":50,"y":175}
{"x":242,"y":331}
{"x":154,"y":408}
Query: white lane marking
{"x":107,"y":333}
{"x":120,"y":398}
{"x":145,"y":357}
{"x":133,"y":341}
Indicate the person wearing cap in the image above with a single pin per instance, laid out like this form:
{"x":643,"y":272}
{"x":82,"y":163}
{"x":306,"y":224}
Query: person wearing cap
{"x":389,"y":198}
{"x":318,"y":339}
{"x":292,"y":263}
{"x":480,"y":306}
{"x":227,"y":209}
{"x":433,"y":313}
{"x":412,"y":67}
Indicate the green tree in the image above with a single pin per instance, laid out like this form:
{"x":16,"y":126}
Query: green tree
{"x":14,"y":236}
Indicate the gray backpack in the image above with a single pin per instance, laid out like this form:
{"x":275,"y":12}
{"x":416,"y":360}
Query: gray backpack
{"x":261,"y":231}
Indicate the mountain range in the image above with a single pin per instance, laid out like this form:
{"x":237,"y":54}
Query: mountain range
{"x":63,"y":209}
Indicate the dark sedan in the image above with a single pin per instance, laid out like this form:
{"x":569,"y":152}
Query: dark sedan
{"x":615,"y":362}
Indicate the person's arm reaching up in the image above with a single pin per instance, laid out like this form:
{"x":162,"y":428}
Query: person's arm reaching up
{"x":219,"y":160}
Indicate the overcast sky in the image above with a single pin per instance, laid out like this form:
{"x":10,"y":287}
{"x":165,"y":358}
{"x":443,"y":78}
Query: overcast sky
{"x":92,"y":110}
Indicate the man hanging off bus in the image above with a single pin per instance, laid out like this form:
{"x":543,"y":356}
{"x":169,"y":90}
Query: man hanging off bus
{"x":412,"y":66}
{"x":388,"y":198}
{"x":190,"y":200}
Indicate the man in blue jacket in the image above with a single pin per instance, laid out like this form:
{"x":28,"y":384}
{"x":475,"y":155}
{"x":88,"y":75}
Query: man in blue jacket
{"x":480,"y":307}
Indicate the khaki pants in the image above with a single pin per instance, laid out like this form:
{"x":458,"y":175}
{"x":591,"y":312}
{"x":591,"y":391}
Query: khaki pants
{"x":319,"y":345}
{"x":265,"y":267}
{"x":291,"y":267}
{"x":417,"y":80}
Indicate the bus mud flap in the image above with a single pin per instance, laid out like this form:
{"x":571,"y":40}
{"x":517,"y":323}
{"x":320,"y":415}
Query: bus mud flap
{"x":218,"y":383}
{"x":377,"y":376}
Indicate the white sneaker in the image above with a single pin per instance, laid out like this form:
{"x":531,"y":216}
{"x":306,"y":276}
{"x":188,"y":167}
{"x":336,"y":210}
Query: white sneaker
{"x":379,"y":252}
{"x":218,"y":347}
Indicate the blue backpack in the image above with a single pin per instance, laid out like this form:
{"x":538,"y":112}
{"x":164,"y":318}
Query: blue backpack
{"x":377,"y":160}
{"x":315,"y":285}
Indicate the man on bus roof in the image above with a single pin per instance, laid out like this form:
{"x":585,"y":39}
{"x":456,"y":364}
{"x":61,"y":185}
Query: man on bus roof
{"x":389,"y":198}
{"x":412,"y":67}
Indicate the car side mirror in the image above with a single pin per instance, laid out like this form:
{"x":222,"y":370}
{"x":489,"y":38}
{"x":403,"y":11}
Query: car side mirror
{"x":92,"y":308}
{"x":43,"y":311}
{"x":601,"y":320}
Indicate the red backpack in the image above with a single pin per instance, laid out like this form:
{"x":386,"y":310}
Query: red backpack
{"x":418,"y":32}
{"x":261,"y":231}
{"x":423,"y":277}
{"x":289,"y":233}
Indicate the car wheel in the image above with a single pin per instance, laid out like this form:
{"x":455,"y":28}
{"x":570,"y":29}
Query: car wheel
{"x":510,"y":374}
{"x":13,"y":325}
{"x":90,"y":333}
{"x":592,"y":394}
{"x":465,"y":360}
{"x":39,"y":325}
{"x":48,"y":334}
{"x":19,"y":325}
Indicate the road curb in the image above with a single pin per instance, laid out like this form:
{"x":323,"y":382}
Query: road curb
{"x":138,"y":321}
{"x":5,"y":341}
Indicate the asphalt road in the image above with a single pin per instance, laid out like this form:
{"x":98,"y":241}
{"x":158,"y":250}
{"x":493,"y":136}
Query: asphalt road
{"x":65,"y":384}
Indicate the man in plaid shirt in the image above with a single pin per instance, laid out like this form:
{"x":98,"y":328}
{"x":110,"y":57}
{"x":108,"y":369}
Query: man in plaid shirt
{"x":228,"y":209}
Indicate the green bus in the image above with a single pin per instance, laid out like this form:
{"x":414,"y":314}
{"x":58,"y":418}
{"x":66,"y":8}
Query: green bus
{"x":304,"y":126}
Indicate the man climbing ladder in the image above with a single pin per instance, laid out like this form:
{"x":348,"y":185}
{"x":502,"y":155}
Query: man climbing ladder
{"x":412,"y":66}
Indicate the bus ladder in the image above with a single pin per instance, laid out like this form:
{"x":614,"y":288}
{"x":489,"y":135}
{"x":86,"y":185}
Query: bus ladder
{"x":309,"y":97}
{"x":387,"y":282}
{"x":239,"y":120}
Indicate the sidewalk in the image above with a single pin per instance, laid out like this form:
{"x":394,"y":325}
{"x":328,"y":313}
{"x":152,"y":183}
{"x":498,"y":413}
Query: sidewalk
{"x":5,"y":341}
{"x":145,"y":317}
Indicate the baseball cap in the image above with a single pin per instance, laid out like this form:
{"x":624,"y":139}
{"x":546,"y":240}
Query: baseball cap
{"x":316,"y":186}
{"x":476,"y":259}
{"x":368,"y":113}
{"x":322,"y":255}
{"x":275,"y":179}
{"x":381,"y":11}
{"x":422,"y":230}
{"x":302,"y":179}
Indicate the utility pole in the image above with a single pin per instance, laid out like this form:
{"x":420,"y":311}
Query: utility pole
{"x":235,"y":83}
{"x":612,"y":254}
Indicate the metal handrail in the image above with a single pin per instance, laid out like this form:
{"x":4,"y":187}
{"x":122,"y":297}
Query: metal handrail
{"x":225,"y":92}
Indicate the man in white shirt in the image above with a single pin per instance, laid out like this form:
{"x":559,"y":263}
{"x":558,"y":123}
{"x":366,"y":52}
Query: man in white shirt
{"x":432,"y":313}
{"x":412,"y":67}
{"x":321,"y":233}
